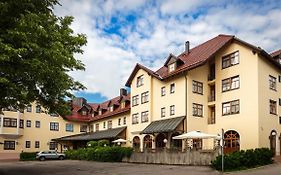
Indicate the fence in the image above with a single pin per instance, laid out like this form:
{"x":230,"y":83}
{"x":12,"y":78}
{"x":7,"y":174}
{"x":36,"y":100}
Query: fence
{"x":190,"y":157}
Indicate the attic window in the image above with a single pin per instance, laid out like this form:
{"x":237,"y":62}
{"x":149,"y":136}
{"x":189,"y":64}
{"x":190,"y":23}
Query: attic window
{"x":84,"y":112}
{"x":140,"y":81}
{"x":100,"y":112}
{"x":123,"y":104}
{"x":111,"y":108}
{"x":172,"y":67}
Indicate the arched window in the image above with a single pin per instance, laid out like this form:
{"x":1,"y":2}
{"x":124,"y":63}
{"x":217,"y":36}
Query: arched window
{"x":231,"y":141}
{"x":272,"y":138}
{"x":147,"y":141}
{"x":136,"y":143}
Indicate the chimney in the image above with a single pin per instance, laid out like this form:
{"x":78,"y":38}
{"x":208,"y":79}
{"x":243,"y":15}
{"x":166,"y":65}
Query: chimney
{"x":187,"y":46}
{"x":123,"y":91}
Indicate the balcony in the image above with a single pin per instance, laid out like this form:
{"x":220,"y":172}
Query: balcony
{"x":211,"y":98}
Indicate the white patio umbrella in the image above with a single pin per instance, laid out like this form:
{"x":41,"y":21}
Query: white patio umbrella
{"x":119,"y":141}
{"x":196,"y":135}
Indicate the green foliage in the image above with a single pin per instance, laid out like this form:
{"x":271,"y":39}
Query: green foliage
{"x":37,"y":52}
{"x":244,"y":159}
{"x":102,"y":154}
{"x":92,"y":144}
{"x":28,"y":156}
{"x":103,"y":143}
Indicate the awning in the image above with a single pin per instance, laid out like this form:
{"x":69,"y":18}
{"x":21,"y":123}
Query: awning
{"x":196,"y":135}
{"x":106,"y":134}
{"x":167,"y":125}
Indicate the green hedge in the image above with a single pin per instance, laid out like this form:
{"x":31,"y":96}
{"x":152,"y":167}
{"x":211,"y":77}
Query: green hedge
{"x":102,"y":154}
{"x":28,"y":156}
{"x":244,"y":159}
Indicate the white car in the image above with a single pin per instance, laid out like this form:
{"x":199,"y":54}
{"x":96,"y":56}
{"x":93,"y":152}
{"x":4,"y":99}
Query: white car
{"x":43,"y":155}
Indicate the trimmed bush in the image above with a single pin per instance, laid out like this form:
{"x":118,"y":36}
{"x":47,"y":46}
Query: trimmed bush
{"x":27,"y":156}
{"x":102,"y":154}
{"x":103,"y":143}
{"x":244,"y":159}
{"x":92,"y":144}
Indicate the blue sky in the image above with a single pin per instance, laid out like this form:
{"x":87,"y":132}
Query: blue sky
{"x":125,"y":32}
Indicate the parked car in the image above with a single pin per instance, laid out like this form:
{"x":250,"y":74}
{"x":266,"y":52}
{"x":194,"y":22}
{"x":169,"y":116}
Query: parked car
{"x":43,"y":155}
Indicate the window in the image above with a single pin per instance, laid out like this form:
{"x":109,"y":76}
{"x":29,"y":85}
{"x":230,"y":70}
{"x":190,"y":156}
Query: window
{"x":273,"y":107}
{"x":172,"y":88}
{"x":279,"y":120}
{"x":272,"y":83}
{"x":37,"y":144}
{"x":279,"y":78}
{"x":27,"y":144}
{"x":172,"y":110}
{"x":9,"y":145}
{"x":28,"y":123}
{"x":163,"y":112}
{"x":97,"y":127}
{"x":21,"y":123}
{"x":83,"y":128}
{"x":197,"y":87}
{"x":109,"y":124}
{"x":140,"y":81}
{"x":54,"y":126}
{"x":135,"y":100}
{"x":124,"y":121}
{"x":111,"y":108}
{"x":69,"y":127}
{"x":144,"y":97}
{"x":230,"y":83}
{"x":197,"y":143}
{"x":100,"y":112}
{"x":119,"y":122}
{"x":37,"y":124}
{"x":91,"y":128}
{"x":123,"y":104}
{"x":53,"y":145}
{"x":279,"y":101}
{"x":84,"y":112}
{"x":230,"y":60}
{"x":38,"y":109}
{"x":163,"y":91}
{"x":197,"y":110}
{"x":29,"y":108}
{"x":231,"y":107}
{"x":135,"y":118}
{"x":172,"y":67}
{"x":54,"y":115}
{"x":104,"y":125}
{"x":10,"y":122}
{"x":144,"y":117}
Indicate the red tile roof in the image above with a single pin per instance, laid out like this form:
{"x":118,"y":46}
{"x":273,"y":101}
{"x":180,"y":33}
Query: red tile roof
{"x":198,"y":56}
{"x":76,"y":116}
{"x":275,"y":53}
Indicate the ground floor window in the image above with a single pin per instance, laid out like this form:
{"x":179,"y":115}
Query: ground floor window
{"x":37,"y":144}
{"x":53,"y":145}
{"x":9,"y":145}
{"x":197,"y":143}
{"x":147,"y":142}
{"x":136,"y":143}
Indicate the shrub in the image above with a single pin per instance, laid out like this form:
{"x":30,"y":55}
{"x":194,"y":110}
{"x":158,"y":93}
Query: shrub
{"x":92,"y":144}
{"x":28,"y":156}
{"x":244,"y":159}
{"x":102,"y":154}
{"x":103,"y":143}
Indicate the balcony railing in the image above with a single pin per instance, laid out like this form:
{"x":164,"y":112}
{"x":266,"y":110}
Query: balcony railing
{"x":211,"y":98}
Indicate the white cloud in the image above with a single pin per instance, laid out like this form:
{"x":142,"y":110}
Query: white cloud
{"x":159,"y":28}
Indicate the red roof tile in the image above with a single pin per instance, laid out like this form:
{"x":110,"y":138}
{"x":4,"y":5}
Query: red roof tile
{"x":275,"y":53}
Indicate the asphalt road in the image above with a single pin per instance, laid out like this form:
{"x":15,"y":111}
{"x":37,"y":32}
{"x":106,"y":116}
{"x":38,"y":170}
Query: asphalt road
{"x":73,"y":167}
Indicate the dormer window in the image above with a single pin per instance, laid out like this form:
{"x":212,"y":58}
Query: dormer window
{"x":84,"y":112}
{"x":111,"y":108}
{"x":123,"y":104}
{"x":38,"y":109}
{"x":140,"y":81}
{"x":172,"y":67}
{"x":100,"y":112}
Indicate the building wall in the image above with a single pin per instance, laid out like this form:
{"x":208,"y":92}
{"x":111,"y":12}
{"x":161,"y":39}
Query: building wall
{"x":268,"y":122}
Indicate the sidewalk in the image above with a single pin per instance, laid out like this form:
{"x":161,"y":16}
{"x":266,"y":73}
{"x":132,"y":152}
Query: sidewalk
{"x":277,"y":159}
{"x":9,"y":157}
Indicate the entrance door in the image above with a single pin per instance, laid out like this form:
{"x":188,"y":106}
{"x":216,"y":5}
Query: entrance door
{"x":272,"y":139}
{"x":231,"y":141}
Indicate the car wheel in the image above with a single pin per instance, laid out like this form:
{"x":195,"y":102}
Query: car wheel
{"x":42,"y":158}
{"x":61,"y":157}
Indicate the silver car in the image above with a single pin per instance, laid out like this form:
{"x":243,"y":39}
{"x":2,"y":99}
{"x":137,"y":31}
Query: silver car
{"x":43,"y":155}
